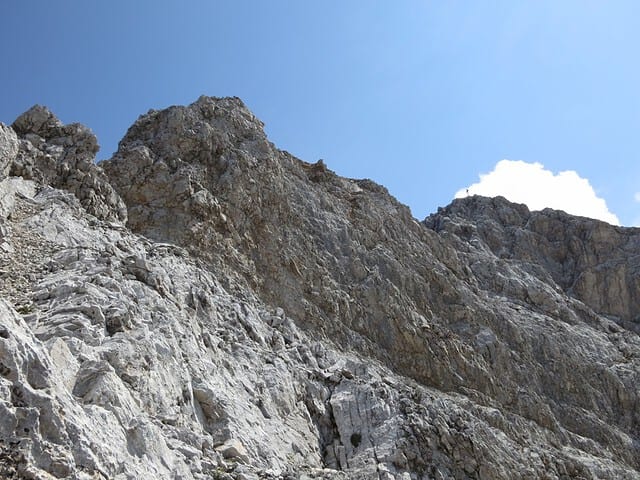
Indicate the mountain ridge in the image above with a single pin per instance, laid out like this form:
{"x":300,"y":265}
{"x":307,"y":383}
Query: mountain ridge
{"x":486,"y":341}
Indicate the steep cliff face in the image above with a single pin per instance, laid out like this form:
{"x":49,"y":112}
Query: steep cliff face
{"x":592,"y":261}
{"x":261,"y":317}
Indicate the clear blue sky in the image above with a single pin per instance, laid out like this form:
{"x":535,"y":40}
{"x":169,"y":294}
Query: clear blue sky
{"x":421,"y":96}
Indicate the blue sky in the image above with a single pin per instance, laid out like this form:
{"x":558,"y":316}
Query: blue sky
{"x":421,"y":96}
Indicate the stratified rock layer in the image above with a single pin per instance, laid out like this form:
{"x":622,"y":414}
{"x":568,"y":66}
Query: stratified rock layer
{"x":261,"y":317}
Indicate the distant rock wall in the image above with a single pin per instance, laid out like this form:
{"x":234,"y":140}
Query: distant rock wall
{"x":590,"y":260}
{"x":8,"y":149}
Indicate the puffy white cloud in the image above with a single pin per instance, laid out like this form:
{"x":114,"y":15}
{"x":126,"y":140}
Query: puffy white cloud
{"x":538,"y":188}
{"x":636,"y":196}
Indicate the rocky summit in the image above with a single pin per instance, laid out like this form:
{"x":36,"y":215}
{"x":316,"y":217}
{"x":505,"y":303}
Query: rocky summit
{"x":205,"y":306}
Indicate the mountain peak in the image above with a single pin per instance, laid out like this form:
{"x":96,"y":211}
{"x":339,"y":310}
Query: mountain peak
{"x":205,"y":305}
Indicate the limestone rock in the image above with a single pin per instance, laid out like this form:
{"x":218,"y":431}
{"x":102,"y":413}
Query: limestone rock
{"x":233,"y":449}
{"x":261,"y":317}
{"x":8,"y":149}
{"x":63,"y":156}
{"x":589,"y":260}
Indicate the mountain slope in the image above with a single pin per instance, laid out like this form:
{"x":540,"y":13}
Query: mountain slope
{"x":258,"y":316}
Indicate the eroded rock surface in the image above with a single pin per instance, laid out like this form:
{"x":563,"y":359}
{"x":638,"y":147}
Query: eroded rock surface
{"x":63,"y":156}
{"x":592,"y":261}
{"x":261,"y":317}
{"x":8,"y":149}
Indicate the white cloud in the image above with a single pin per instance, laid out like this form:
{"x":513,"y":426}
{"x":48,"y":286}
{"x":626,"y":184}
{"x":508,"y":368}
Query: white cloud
{"x":636,"y":196}
{"x":538,"y":188}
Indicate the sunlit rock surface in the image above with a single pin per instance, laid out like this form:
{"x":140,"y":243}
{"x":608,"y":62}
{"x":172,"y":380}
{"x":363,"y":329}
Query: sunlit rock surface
{"x":260,"y":317}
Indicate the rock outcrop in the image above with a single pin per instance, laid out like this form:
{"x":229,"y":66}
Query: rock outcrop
{"x":261,"y":317}
{"x":592,"y":261}
{"x":63,"y":156}
{"x":8,"y":149}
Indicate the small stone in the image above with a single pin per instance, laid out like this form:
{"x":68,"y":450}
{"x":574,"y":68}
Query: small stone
{"x":233,"y":449}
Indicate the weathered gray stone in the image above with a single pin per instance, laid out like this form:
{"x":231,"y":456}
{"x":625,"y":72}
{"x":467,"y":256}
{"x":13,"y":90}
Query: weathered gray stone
{"x":63,"y":156}
{"x":8,"y":149}
{"x":590,"y":260}
{"x":278,"y":321}
{"x":233,"y":449}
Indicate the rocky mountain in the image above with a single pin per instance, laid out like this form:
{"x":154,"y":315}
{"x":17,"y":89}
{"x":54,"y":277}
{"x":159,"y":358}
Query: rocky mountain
{"x":206,"y":306}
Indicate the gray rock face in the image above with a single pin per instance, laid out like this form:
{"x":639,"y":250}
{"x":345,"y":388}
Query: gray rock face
{"x":8,"y":149}
{"x":592,"y":261}
{"x":63,"y":156}
{"x":261,"y":317}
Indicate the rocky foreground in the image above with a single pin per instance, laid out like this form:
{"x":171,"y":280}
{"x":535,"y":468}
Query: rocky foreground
{"x":205,"y":306}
